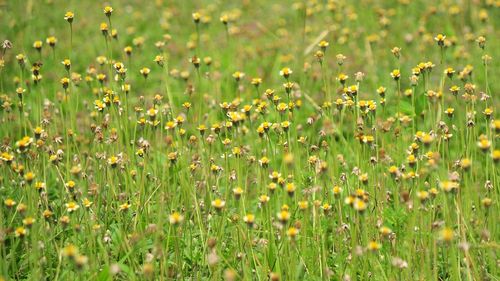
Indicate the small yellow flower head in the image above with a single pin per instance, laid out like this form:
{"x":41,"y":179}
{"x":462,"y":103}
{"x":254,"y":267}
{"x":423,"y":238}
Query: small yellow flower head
{"x":9,"y":203}
{"x":196,"y":61}
{"x":484,"y":144}
{"x":24,"y":143}
{"x":286,"y":72}
{"x":486,"y":202}
{"x":423,"y":195}
{"x":159,"y":60}
{"x":450,"y":111}
{"x":218,"y":204}
{"x":145,"y":71}
{"x":69,"y":16}
{"x":20,"y":232}
{"x":496,"y":155}
{"x":323,"y":45}
{"x":87,"y":203}
{"x":465,"y":163}
{"x":70,"y":185}
{"x":303,"y":205}
{"x":256,"y":81}
{"x":263,"y":199}
{"x":28,"y":221}
{"x":104,"y":28}
{"x":108,"y":10}
{"x":52,"y":41}
{"x":124,"y":207}
{"x":113,"y":161}
{"x":446,"y":235}
{"x":6,"y":157}
{"x":385,"y":231}
{"x":81,"y":261}
{"x":488,"y":112}
{"x":70,"y":251}
{"x":440,"y":39}
{"x":319,"y":56}
{"x":283,"y":216}
{"x":249,"y":219}
{"x":359,"y":205}
{"x":175,"y":218}
{"x":65,"y":82}
{"x":29,"y":176}
{"x":238,"y":75}
{"x":72,"y":206}
{"x":290,"y":188}
{"x":337,"y":190}
{"x":207,"y":60}
{"x":374,"y":246}
{"x":396,"y":74}
{"x":448,"y":186}
{"x":224,"y":19}
{"x":47,"y":214}
{"x":66,"y":63}
{"x":449,"y":72}
{"x":38,"y":45}
{"x":196,"y":17}
{"x":396,"y":51}
{"x":292,"y":233}
{"x":288,"y":87}
{"x":237,"y":192}
{"x":172,"y":156}
{"x":264,"y":161}
{"x":481,"y":41}
{"x":21,"y":59}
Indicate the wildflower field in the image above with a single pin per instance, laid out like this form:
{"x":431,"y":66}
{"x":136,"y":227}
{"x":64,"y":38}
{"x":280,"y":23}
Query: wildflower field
{"x":249,"y":140}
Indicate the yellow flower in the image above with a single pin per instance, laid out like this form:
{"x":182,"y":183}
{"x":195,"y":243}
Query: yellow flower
{"x":145,"y":72}
{"x":303,"y":205}
{"x":20,"y":232}
{"x":359,"y":205}
{"x":9,"y":203}
{"x":70,"y":251}
{"x":337,"y":190}
{"x":196,"y":17}
{"x":237,"y":192}
{"x":374,"y":246}
{"x":218,"y":204}
{"x":108,"y":10}
{"x":87,"y":203}
{"x":113,"y":161}
{"x":72,"y":206}
{"x":238,"y":75}
{"x":38,"y":45}
{"x":69,"y":16}
{"x":286,"y":72}
{"x":446,"y":234}
{"x":124,"y":207}
{"x":224,"y":19}
{"x":292,"y":233}
{"x":323,"y":44}
{"x":440,"y":39}
{"x":249,"y":219}
{"x":448,"y":186}
{"x":175,"y":218}
{"x":385,"y":231}
{"x":51,"y":40}
{"x":283,"y":216}
{"x":396,"y":74}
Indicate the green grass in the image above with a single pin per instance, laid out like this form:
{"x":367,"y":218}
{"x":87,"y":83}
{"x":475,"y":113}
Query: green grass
{"x":357,"y":186}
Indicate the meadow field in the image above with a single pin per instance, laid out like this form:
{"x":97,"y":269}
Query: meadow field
{"x":249,"y":140}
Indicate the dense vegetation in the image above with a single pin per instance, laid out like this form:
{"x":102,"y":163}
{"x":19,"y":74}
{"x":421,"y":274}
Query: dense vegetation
{"x":249,"y":140}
